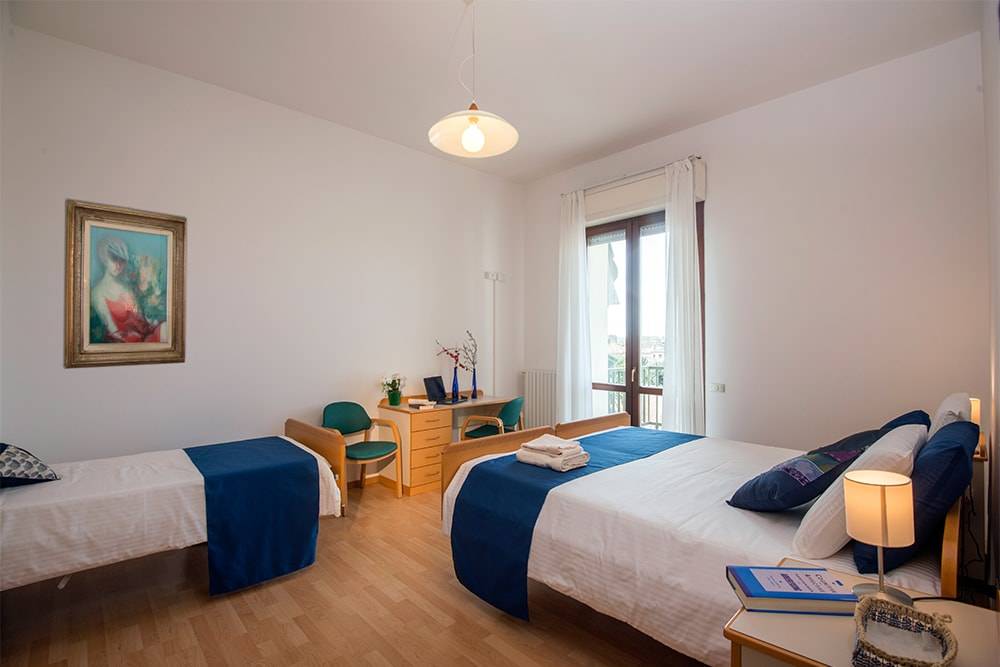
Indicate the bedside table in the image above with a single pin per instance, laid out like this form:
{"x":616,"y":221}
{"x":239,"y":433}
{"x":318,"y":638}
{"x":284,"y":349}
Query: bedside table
{"x":762,"y":639}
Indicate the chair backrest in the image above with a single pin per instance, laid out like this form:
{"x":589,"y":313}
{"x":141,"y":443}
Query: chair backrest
{"x":510,"y":413}
{"x":346,"y":417}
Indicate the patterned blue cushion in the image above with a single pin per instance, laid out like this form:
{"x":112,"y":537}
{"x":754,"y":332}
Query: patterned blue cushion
{"x":19,"y":467}
{"x":941,"y":473}
{"x":804,"y":478}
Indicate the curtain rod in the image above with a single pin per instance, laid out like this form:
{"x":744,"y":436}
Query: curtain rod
{"x":644,"y":172}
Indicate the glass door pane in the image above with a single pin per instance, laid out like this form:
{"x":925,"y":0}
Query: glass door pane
{"x":652,"y":322}
{"x":607,"y":263}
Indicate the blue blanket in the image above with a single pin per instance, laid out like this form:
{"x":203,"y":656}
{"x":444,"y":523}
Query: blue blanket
{"x":496,"y":509}
{"x":262,"y":505}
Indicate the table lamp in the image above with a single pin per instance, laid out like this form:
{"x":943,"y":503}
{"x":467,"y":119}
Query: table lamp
{"x":879,"y":512}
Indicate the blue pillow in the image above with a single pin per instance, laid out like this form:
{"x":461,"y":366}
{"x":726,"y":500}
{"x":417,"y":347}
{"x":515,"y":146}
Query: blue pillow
{"x":914,"y":417}
{"x":799,"y":480}
{"x":804,"y":478}
{"x":941,"y":473}
{"x":19,"y":467}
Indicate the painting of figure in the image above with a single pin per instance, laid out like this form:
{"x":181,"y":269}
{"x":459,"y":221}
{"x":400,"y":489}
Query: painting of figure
{"x":124,"y":286}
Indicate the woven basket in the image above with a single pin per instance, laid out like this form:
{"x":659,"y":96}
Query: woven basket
{"x":872,"y":609}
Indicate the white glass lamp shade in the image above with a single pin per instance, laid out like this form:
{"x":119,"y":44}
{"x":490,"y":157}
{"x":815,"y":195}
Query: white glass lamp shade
{"x":976,"y":408}
{"x":879,"y":507}
{"x":473,"y":133}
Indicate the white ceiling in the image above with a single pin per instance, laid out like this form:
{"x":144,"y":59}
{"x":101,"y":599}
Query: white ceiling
{"x":579,"y":80}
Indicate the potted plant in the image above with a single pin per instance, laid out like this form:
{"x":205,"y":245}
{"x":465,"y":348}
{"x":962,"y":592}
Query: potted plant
{"x":392,"y":387}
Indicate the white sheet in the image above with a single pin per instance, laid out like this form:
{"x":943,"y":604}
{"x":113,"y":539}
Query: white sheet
{"x":108,"y":510}
{"x":647,"y":542}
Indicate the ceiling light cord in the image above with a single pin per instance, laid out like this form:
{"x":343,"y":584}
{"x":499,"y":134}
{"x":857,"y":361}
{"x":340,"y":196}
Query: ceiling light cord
{"x":471,"y":56}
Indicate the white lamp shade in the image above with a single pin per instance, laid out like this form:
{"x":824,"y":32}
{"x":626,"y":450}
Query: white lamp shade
{"x":498,"y":135}
{"x":879,"y":507}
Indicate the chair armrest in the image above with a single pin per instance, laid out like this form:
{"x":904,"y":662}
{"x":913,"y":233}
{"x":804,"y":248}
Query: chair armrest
{"x":391,"y":424}
{"x":481,"y":418}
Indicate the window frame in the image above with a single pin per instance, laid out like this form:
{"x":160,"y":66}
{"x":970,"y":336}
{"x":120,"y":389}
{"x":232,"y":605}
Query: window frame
{"x":633,"y":389}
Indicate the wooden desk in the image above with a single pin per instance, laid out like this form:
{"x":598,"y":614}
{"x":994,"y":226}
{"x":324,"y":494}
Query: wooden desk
{"x":762,"y":639}
{"x":425,"y":433}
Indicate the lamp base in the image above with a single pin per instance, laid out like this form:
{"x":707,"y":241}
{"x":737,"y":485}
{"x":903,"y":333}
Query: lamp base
{"x":890,"y":593}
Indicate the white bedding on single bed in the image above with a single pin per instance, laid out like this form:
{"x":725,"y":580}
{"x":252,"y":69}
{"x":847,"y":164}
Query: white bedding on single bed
{"x":647,"y":542}
{"x":109,"y":510}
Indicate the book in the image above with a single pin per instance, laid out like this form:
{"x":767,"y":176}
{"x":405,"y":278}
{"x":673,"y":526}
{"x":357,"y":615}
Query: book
{"x":791,"y":590}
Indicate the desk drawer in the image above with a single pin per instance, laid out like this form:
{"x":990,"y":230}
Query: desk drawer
{"x":431,"y":438}
{"x":435,"y":419}
{"x":425,"y":475}
{"x":426,"y":456}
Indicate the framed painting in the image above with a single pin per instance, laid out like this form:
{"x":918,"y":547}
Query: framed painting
{"x":124,"y":286}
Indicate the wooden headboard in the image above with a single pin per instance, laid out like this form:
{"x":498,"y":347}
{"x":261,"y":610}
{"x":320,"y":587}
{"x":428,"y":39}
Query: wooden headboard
{"x":569,"y":430}
{"x":329,"y":444}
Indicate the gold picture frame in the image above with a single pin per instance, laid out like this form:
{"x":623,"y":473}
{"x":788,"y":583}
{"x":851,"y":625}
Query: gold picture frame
{"x":124,"y":286}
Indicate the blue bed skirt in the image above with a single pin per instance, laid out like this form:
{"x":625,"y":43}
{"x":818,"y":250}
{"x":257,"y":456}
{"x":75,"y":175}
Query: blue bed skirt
{"x":262,"y":506}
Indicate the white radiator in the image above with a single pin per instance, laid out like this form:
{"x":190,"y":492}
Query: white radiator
{"x":539,"y":398}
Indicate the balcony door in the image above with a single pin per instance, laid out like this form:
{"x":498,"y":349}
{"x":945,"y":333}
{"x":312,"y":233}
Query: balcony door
{"x":627,"y":286}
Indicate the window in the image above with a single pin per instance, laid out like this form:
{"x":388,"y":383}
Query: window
{"x":625,"y":261}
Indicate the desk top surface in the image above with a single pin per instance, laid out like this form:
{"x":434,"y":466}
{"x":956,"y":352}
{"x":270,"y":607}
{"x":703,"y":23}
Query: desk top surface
{"x":470,"y":403}
{"x":829,"y":640}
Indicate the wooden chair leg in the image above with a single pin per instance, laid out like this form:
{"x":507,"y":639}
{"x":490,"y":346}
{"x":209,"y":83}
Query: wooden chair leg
{"x":364,"y":477}
{"x":399,"y":472}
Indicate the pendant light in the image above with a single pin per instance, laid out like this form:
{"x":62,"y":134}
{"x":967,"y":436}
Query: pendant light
{"x":472,"y":132}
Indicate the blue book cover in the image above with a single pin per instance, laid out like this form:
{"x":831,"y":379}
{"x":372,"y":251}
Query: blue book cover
{"x":791,"y":590}
{"x":790,"y":583}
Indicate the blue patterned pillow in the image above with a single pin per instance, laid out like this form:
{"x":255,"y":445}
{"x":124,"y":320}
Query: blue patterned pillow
{"x":19,"y":467}
{"x":797,"y":481}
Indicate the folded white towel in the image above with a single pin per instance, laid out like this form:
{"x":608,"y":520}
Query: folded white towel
{"x":553,"y":445}
{"x":562,"y":463}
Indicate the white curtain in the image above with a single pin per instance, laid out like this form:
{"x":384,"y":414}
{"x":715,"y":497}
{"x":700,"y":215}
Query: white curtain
{"x":683,"y":375}
{"x":573,"y":383}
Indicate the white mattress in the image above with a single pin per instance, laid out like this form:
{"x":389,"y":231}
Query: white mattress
{"x":108,"y":510}
{"x":647,"y":542}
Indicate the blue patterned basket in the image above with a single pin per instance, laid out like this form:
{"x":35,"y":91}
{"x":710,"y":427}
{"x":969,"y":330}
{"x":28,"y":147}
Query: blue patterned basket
{"x":873,"y":610}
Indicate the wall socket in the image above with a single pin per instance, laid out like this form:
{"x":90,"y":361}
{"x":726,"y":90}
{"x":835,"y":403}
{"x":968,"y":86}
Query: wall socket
{"x":494,"y":275}
{"x":717,"y":387}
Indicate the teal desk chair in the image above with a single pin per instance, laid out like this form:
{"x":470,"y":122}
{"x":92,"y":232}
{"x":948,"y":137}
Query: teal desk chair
{"x":509,"y":419}
{"x":347,"y":418}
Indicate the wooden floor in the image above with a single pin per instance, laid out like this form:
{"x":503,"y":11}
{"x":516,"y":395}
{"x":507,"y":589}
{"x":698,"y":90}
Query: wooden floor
{"x":382,"y":592}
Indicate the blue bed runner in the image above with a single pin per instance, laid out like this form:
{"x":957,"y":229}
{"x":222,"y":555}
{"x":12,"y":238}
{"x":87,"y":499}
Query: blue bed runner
{"x":262,"y":506}
{"x":496,"y":509}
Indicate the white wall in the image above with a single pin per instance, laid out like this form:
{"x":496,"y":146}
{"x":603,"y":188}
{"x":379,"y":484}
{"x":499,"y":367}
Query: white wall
{"x":319,"y":258}
{"x":991,"y":105}
{"x":846,"y":249}
{"x":4,"y":28}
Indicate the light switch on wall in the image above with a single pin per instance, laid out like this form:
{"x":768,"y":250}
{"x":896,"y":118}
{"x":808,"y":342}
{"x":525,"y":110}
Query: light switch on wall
{"x":717,"y":387}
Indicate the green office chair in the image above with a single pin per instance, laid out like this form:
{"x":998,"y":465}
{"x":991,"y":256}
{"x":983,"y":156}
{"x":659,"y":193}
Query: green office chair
{"x":347,"y":418}
{"x":509,"y":419}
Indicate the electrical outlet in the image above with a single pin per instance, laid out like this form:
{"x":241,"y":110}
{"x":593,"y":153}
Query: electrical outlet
{"x":495,"y":276}
{"x":717,"y":387}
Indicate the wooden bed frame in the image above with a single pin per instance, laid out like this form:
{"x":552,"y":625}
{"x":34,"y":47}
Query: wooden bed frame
{"x":327,"y":443}
{"x":456,"y":454}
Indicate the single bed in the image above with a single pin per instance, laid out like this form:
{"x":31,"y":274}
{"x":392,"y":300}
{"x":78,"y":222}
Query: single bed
{"x":109,"y":510}
{"x":647,"y":542}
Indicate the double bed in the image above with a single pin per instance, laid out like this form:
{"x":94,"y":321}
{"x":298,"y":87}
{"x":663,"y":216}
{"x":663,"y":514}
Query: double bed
{"x":647,"y":541}
{"x":108,"y":510}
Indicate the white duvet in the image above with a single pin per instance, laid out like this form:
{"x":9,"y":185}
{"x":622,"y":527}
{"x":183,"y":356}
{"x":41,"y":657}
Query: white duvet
{"x":647,"y":542}
{"x":108,"y":510}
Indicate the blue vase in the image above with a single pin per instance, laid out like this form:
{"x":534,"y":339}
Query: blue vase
{"x":474,"y":394}
{"x":454,"y":386}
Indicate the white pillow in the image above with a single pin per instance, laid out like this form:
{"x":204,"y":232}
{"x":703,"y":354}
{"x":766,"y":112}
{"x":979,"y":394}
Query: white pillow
{"x":956,"y":407}
{"x":823,"y":531}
